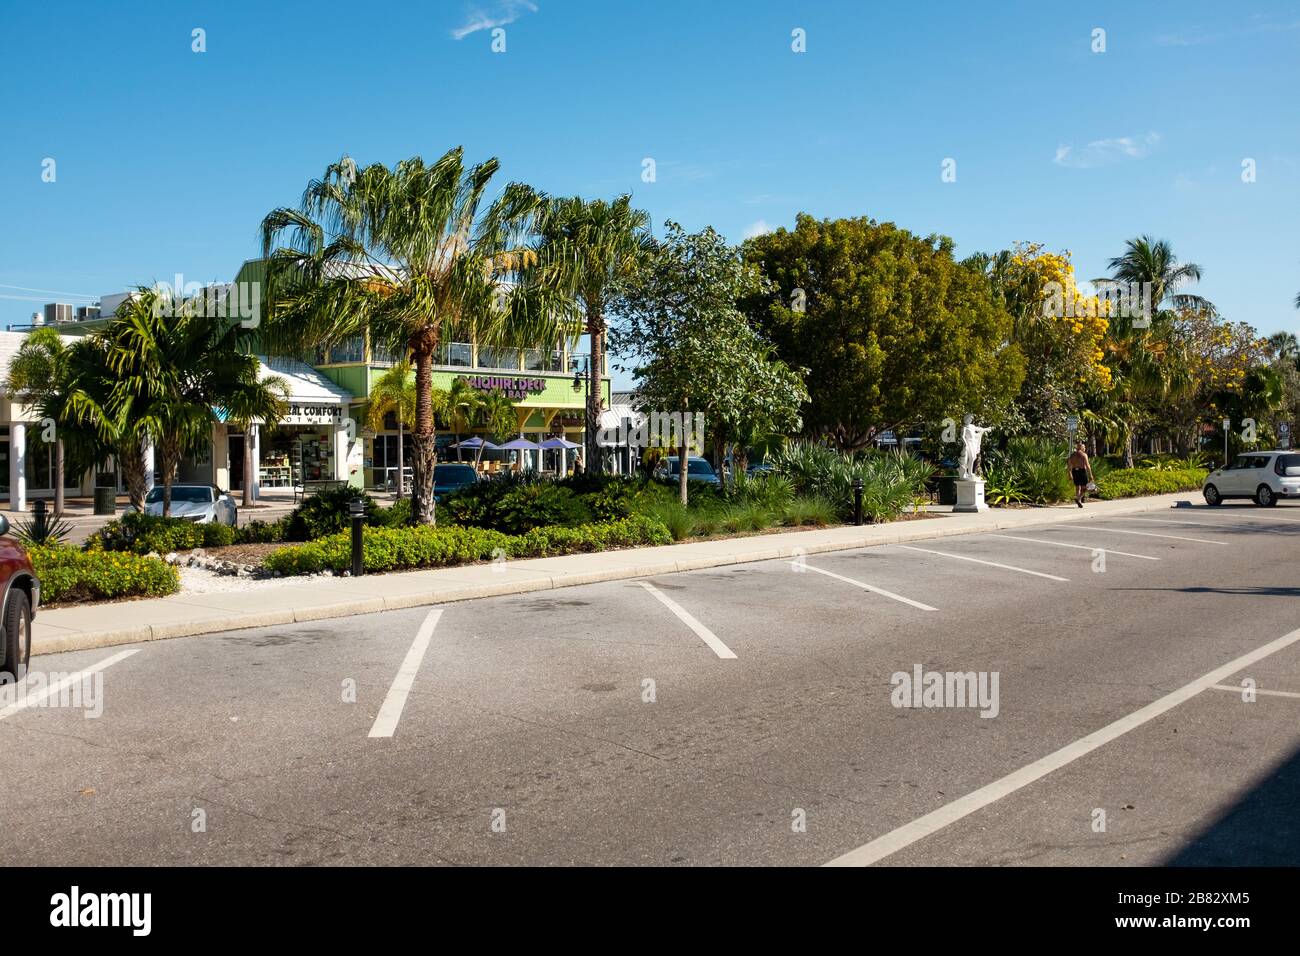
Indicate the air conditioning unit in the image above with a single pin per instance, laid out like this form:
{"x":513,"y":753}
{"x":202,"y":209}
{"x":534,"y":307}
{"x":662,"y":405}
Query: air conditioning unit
{"x":58,"y":312}
{"x":86,"y":313}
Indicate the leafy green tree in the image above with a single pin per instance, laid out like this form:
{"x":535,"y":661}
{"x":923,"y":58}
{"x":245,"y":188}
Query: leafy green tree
{"x":394,"y":392}
{"x":411,"y":254}
{"x":691,"y":348}
{"x":893,"y":331}
{"x":460,"y":408}
{"x":598,"y":244}
{"x":496,"y":414}
{"x":174,"y":364}
{"x":41,"y":373}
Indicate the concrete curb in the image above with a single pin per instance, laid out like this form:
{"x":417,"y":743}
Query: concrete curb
{"x":54,"y":638}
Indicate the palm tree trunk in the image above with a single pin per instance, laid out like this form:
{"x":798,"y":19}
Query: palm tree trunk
{"x":129,"y":456}
{"x":424,"y":445}
{"x":596,"y":330}
{"x":58,"y":477}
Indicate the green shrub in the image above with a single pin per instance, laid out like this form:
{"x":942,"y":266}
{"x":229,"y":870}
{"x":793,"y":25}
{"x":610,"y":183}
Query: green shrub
{"x":891,"y":480}
{"x":141,"y":533}
{"x":1134,"y":482}
{"x":70,"y":574}
{"x":674,"y":516}
{"x":391,"y":549}
{"x":396,"y":515}
{"x":810,"y":511}
{"x":1028,"y":469}
{"x":515,"y":505}
{"x":261,"y":532}
{"x":327,"y":512}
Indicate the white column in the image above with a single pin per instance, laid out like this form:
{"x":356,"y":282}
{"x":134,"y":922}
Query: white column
{"x":148,"y":465}
{"x":254,"y":435}
{"x":18,"y":466}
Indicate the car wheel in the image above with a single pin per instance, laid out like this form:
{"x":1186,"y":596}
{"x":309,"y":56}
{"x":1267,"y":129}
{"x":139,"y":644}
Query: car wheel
{"x":1212,"y":496}
{"x":18,"y":633}
{"x":1264,"y":497}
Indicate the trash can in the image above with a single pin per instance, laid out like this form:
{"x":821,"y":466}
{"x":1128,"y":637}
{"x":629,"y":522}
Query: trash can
{"x":947,"y":489}
{"x":105,"y":500}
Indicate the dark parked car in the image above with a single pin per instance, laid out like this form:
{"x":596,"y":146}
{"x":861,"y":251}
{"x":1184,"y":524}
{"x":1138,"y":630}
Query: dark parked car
{"x":451,"y":476}
{"x":22,"y":595}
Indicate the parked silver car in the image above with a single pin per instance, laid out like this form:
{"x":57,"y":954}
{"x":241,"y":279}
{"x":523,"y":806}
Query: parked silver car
{"x":202,"y":503}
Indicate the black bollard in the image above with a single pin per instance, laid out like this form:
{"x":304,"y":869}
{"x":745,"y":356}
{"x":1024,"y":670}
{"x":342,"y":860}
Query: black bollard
{"x":39,"y":520}
{"x":357,"y":509}
{"x":857,"y":501}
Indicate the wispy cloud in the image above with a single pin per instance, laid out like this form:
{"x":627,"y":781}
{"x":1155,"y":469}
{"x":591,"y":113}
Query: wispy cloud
{"x":1103,"y":152}
{"x":759,"y":228}
{"x":1202,"y":37}
{"x":497,"y":15}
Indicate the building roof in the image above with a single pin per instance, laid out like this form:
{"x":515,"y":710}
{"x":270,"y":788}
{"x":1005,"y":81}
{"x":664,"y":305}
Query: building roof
{"x":305,"y":383}
{"x":10,"y":343}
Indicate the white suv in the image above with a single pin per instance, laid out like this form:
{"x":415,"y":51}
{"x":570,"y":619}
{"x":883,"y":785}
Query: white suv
{"x":1265,"y":476}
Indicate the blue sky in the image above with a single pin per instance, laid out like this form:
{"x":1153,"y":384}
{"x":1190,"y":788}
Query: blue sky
{"x":167,"y":159}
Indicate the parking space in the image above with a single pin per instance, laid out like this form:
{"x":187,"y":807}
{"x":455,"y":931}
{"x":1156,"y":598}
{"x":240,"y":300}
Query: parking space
{"x":686,"y":717}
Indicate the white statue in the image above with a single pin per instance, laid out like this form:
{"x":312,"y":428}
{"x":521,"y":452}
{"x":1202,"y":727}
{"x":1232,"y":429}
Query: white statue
{"x":971,"y":438}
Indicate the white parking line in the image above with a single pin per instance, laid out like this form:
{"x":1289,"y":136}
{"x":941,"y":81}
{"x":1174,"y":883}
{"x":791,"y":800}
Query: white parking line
{"x":992,"y":564}
{"x":391,"y":711}
{"x":1081,"y":547}
{"x":919,"y":829}
{"x":1150,"y":534}
{"x":1266,"y":693}
{"x":1259,"y":514}
{"x":50,"y":690}
{"x":872,"y":588}
{"x":707,"y":636}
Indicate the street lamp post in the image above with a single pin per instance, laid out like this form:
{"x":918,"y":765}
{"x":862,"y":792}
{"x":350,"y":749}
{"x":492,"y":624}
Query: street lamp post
{"x":582,"y":384}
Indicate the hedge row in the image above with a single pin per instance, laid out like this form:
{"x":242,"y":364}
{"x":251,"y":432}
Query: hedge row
{"x":395,"y":549}
{"x":70,"y":574}
{"x":1135,"y":482}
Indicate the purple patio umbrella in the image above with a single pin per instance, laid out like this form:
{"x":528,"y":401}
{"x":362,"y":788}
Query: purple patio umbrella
{"x":520,"y":444}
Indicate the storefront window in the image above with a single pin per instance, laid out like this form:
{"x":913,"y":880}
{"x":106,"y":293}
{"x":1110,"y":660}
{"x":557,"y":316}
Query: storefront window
{"x":352,"y":349}
{"x":498,"y":358}
{"x":459,"y":354}
{"x":541,"y":360}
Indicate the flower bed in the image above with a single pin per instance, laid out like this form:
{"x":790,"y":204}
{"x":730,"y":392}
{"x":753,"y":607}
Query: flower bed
{"x":68,"y":575}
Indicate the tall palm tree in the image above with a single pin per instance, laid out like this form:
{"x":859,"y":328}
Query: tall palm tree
{"x":175,"y":366}
{"x":394,"y":392}
{"x":1152,"y":260}
{"x":599,"y":244}
{"x":1284,"y":346}
{"x":461,"y":408}
{"x":41,"y":373}
{"x":496,"y":413}
{"x":410,"y":254}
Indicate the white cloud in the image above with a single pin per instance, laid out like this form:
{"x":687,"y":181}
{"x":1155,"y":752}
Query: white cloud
{"x":1103,"y":152}
{"x":501,"y":13}
{"x":759,"y":228}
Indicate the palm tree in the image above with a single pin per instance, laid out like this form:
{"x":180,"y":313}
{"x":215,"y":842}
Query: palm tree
{"x":175,"y":366}
{"x":496,"y":413}
{"x":408,"y":254}
{"x":461,"y":408}
{"x":1284,"y":346}
{"x":394,"y":392}
{"x":598,"y":244}
{"x":41,"y":372}
{"x":1150,"y":260}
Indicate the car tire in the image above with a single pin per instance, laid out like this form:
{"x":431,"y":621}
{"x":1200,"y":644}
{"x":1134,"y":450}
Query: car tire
{"x":1212,"y":496}
{"x":18,"y":633}
{"x":1265,"y":496}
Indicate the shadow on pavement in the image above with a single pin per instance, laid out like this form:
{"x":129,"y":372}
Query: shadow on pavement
{"x":1250,"y":591}
{"x":1261,"y":829}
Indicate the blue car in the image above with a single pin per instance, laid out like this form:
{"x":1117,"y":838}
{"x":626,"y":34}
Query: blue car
{"x":697,"y":469}
{"x":451,"y":476}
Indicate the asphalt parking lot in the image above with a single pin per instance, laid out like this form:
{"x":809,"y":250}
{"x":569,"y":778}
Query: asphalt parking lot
{"x":752,"y":714}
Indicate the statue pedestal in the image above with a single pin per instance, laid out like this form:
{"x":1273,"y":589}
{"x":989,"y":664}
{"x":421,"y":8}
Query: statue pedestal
{"x":970,"y":495}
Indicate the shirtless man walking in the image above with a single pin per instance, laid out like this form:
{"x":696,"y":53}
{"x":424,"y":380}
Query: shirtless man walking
{"x":1080,"y":472}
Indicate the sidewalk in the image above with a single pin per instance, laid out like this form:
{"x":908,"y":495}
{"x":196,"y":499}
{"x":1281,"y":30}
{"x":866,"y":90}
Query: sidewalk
{"x":103,"y":625}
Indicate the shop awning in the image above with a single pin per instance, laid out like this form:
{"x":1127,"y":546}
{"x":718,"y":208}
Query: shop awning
{"x":313,"y":398}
